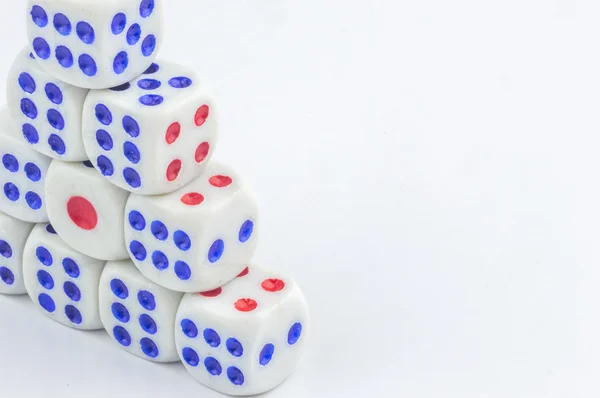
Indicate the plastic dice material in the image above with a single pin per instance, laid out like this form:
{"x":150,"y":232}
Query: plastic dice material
{"x":13,"y":235}
{"x":22,"y":175}
{"x":62,"y":281}
{"x":95,"y":44}
{"x":46,"y":110}
{"x":153,"y":135}
{"x":198,"y":237}
{"x":246,"y":337}
{"x":138,"y":314}
{"x":86,"y":210}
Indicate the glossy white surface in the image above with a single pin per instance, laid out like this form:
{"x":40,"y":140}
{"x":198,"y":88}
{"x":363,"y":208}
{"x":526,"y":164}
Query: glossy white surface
{"x":46,"y":111}
{"x":246,"y":337}
{"x":61,"y":282}
{"x":155,"y":134}
{"x":86,"y":210}
{"x":138,"y":315}
{"x":23,"y":174}
{"x":13,"y":235}
{"x":94,"y":44}
{"x":196,"y":238}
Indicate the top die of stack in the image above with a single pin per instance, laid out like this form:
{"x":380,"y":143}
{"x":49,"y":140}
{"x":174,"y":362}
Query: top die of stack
{"x":95,"y":44}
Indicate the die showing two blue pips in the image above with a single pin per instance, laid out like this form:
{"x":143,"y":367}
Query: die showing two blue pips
{"x":6,"y":274}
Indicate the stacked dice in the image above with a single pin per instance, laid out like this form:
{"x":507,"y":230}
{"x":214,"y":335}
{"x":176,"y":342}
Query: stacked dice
{"x":113,"y":213}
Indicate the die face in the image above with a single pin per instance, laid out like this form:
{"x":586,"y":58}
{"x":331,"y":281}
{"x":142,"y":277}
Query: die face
{"x":13,"y":235}
{"x":86,"y":210}
{"x":154,"y":134}
{"x":47,"y":111}
{"x":22,"y":175}
{"x":246,"y":337}
{"x":96,"y":44}
{"x":62,"y":282}
{"x":198,"y":237}
{"x":138,"y":314}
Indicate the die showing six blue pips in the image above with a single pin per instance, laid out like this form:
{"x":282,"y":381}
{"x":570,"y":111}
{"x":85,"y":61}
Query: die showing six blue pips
{"x":95,"y":44}
{"x":113,"y":213}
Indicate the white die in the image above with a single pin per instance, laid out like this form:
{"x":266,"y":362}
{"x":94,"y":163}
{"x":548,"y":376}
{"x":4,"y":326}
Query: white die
{"x":13,"y":235}
{"x":198,"y":237}
{"x":138,"y":314}
{"x":246,"y":337}
{"x":86,"y":210}
{"x":95,"y":44}
{"x":46,"y":110}
{"x":22,"y":175}
{"x":153,"y":135}
{"x":62,"y":281}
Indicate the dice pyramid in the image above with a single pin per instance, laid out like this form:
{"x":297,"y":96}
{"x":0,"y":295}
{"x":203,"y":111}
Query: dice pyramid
{"x":114,"y":214}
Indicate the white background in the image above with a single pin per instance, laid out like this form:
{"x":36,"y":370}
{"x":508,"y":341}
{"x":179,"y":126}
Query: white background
{"x":428,"y":173}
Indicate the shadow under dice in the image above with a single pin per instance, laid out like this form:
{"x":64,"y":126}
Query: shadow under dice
{"x":47,"y":111}
{"x":62,"y":281}
{"x":86,"y":210}
{"x":22,"y":175}
{"x":137,"y":313}
{"x":95,"y":44}
{"x":198,"y":237}
{"x":13,"y":235}
{"x":154,"y":134}
{"x":246,"y":337}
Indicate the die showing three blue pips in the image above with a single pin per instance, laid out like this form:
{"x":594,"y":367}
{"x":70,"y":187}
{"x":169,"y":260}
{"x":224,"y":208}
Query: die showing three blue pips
{"x":133,"y":183}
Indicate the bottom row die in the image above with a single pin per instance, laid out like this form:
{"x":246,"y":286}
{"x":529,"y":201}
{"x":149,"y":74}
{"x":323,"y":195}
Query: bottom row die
{"x":137,"y":313}
{"x":246,"y":337}
{"x":62,"y":281}
{"x":13,"y":235}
